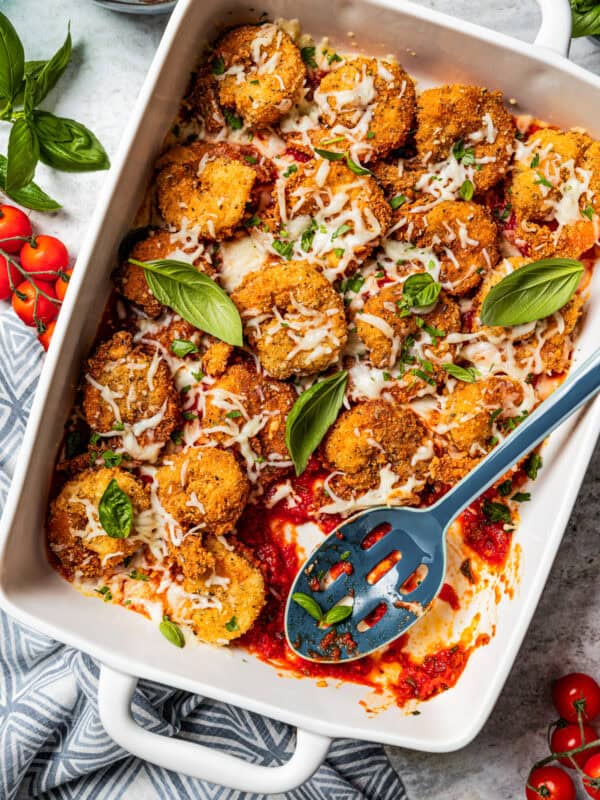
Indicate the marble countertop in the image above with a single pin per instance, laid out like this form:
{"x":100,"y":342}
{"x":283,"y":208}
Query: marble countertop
{"x":111,"y":56}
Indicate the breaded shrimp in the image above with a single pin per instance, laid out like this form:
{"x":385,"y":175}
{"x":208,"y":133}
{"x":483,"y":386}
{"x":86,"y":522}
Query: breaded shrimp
{"x":548,"y":350}
{"x":371,"y":436}
{"x":293,"y":317}
{"x":210,"y":186}
{"x":471,"y":410}
{"x":456,"y":119}
{"x":76,"y":537}
{"x":129,"y":279}
{"x":240,"y":594}
{"x":331,"y":217}
{"x":368,"y":101}
{"x":203,"y":487}
{"x":258,"y":72}
{"x":129,"y":394}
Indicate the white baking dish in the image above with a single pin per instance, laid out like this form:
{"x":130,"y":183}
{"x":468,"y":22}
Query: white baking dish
{"x":434,"y":48}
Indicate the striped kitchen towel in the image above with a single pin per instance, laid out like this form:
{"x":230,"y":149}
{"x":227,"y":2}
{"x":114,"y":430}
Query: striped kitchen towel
{"x":52,"y":744}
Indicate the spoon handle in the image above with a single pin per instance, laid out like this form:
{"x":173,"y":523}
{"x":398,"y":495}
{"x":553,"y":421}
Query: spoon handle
{"x":564,"y":401}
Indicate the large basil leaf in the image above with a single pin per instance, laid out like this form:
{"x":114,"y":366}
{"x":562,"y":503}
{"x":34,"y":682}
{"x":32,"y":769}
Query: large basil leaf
{"x":586,"y":17}
{"x":309,"y":604}
{"x":68,"y":145}
{"x":195,"y":297}
{"x":41,"y":77}
{"x":115,"y":511}
{"x":12,"y":61}
{"x":420,"y":290}
{"x":532,"y":292}
{"x":311,"y":417}
{"x":23,"y":154}
{"x":29,"y":196}
{"x":172,"y":632}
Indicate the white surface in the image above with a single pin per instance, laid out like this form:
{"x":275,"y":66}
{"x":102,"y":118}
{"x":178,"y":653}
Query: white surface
{"x":110,"y":93}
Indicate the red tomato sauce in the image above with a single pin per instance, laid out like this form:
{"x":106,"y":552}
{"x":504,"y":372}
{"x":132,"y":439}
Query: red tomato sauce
{"x":263,"y":529}
{"x":488,"y":539}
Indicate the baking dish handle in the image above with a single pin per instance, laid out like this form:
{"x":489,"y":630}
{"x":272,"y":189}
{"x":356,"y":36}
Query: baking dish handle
{"x":115,"y":692}
{"x":557,"y":24}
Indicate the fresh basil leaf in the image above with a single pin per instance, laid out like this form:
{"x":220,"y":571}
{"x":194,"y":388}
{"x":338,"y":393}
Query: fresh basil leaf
{"x":30,"y":196}
{"x":12,"y":61}
{"x":115,"y":511}
{"x":68,"y":145}
{"x":420,"y":290}
{"x":586,"y":18}
{"x":112,"y":459}
{"x":309,"y":604}
{"x":232,"y":625}
{"x":356,"y":168}
{"x":195,"y":297}
{"x":337,"y":614}
{"x":172,"y":632}
{"x":397,"y":201}
{"x":183,"y":347}
{"x":39,"y":80}
{"x":23,"y":154}
{"x":467,"y":190}
{"x":308,"y":56}
{"x":311,"y":417}
{"x":465,"y":374}
{"x":329,"y":155}
{"x":532,"y":292}
{"x":496,"y":512}
{"x":533,"y":465}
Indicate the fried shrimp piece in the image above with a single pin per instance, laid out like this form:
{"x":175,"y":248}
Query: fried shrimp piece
{"x":193,"y":558}
{"x":215,"y":359}
{"x":372,"y":436}
{"x":259,"y":72}
{"x":449,"y":117}
{"x":238,"y":588}
{"x":248,"y":411}
{"x":451,"y":468}
{"x":129,"y":279}
{"x":76,"y":537}
{"x":131,"y":394}
{"x":293,"y":318}
{"x":211,"y":186}
{"x":549,"y":349}
{"x":383,"y":330}
{"x":554,"y":193}
{"x":464,"y":238}
{"x":471,"y":410}
{"x":203,"y":487}
{"x":370,"y":102}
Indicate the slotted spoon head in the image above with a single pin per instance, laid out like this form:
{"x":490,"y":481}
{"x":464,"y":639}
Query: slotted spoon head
{"x":388,"y":563}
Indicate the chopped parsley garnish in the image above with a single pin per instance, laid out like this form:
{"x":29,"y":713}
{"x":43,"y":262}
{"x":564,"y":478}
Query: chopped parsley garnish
{"x":397,"y":201}
{"x":251,"y":159}
{"x":339,"y":252}
{"x":290,"y":170}
{"x":138,"y":576}
{"x":496,"y":512}
{"x":306,"y":240}
{"x":533,"y":465}
{"x":234,"y":122}
{"x":189,"y":416}
{"x":588,"y":212}
{"x":177,"y":437}
{"x":118,"y":425}
{"x":233,"y":414}
{"x":232,"y":625}
{"x":521,"y":497}
{"x":505,"y":488}
{"x":331,"y":57}
{"x":217,"y":66}
{"x":252,"y":222}
{"x":198,"y":376}
{"x":112,"y":459}
{"x":370,"y":134}
{"x":466,"y":190}
{"x":183,"y":347}
{"x":106,"y":593}
{"x":345,"y":555}
{"x":284,"y":249}
{"x":542,"y":180}
{"x":535,"y":161}
{"x":95,"y":437}
{"x":343,"y":229}
{"x":308,"y":56}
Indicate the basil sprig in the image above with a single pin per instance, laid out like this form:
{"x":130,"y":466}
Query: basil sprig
{"x":311,"y":417}
{"x":335,"y":614}
{"x":37,"y":135}
{"x":172,"y":632}
{"x":115,"y":511}
{"x":532,"y":292}
{"x":465,"y":374}
{"x":586,"y":17}
{"x":195,"y":297}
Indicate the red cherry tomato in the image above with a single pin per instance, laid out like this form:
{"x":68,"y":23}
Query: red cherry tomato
{"x":573,"y":691}
{"x":554,"y":783}
{"x":569,"y":737}
{"x":5,"y":282}
{"x":13,"y":223}
{"x":62,"y":283}
{"x":24,"y":304}
{"x":45,"y":254}
{"x":46,"y":336}
{"x":592,"y":770}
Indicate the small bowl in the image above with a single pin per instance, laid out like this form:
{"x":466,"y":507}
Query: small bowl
{"x":138,"y":6}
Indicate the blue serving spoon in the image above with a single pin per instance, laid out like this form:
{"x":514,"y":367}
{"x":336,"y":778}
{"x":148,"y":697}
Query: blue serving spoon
{"x":388,"y":564}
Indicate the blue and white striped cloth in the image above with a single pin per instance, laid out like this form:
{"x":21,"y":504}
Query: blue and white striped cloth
{"x":52,"y":744}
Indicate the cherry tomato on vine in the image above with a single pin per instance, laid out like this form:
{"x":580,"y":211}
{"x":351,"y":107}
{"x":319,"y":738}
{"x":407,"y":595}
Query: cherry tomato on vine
{"x":24,"y":304}
{"x":44,"y":254}
{"x":14,"y":224}
{"x":552,"y":783}
{"x":569,"y":737}
{"x":5,"y":281}
{"x":592,"y":770}
{"x":46,"y":336}
{"x":573,"y":691}
{"x":62,"y":283}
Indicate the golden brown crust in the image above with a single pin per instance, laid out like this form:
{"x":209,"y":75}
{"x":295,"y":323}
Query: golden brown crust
{"x":73,"y":541}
